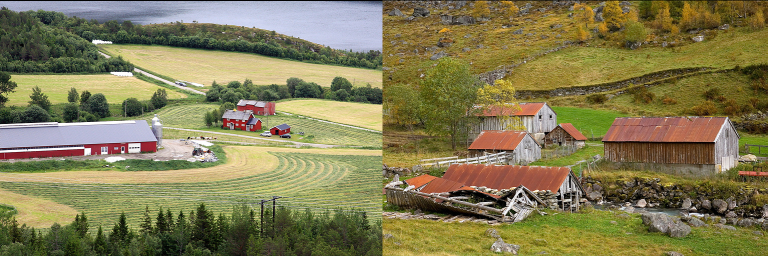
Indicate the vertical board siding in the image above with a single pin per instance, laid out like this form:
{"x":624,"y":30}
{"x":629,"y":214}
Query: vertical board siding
{"x":655,"y":152}
{"x":527,"y":151}
{"x":546,"y":124}
{"x":727,"y":145}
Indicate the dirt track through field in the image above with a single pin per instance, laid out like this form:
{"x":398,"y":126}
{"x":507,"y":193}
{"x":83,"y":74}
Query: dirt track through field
{"x":243,"y":161}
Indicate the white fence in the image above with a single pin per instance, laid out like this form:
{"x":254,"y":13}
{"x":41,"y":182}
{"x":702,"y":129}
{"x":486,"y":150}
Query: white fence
{"x":496,"y":158}
{"x":122,"y":73}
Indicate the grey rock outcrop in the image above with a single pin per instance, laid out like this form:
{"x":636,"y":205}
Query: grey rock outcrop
{"x":501,"y":247}
{"x":686,"y":203}
{"x":438,"y":55}
{"x":660,"y":222}
{"x":396,"y":12}
{"x":719,"y":206}
{"x":492,"y":233}
{"x":420,"y":12}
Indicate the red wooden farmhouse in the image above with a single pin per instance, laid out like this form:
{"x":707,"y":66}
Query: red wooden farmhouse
{"x":281,"y":129}
{"x":260,"y":108}
{"x":240,"y":120}
{"x":37,"y":140}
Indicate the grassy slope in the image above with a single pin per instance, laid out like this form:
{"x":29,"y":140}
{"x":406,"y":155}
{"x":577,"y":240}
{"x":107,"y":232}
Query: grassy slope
{"x":357,"y":114}
{"x":327,"y":179}
{"x":589,"y":122}
{"x":206,"y":66}
{"x":56,"y":87}
{"x":565,"y":234}
{"x":592,"y":65}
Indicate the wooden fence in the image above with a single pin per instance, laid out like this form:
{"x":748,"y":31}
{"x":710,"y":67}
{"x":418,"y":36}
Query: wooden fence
{"x":496,"y":158}
{"x":759,"y":148}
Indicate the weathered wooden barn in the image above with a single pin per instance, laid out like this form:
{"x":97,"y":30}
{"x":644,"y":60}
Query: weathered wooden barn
{"x":565,"y":135}
{"x":492,"y":183}
{"x":240,"y":120}
{"x":259,"y":108}
{"x":37,"y":140}
{"x":537,"y":117}
{"x":521,"y":148}
{"x":682,"y":145}
{"x":281,"y":129}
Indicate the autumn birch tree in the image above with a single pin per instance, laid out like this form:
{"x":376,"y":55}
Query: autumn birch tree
{"x":501,"y":97}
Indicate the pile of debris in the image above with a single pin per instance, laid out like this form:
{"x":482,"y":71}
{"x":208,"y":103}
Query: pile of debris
{"x":203,"y":155}
{"x":548,"y":197}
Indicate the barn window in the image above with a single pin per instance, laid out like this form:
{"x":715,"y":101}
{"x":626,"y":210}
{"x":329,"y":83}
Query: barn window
{"x":550,"y":117}
{"x":539,"y":117}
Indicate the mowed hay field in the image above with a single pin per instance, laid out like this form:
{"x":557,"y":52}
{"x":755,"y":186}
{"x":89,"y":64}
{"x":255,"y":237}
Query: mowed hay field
{"x":352,"y":113}
{"x":309,"y":178}
{"x":191,"y":116}
{"x":205,"y":66}
{"x":56,"y":87}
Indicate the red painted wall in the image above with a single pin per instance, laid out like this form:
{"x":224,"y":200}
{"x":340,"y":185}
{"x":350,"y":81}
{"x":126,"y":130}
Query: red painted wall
{"x":268,"y":109}
{"x":240,"y":125}
{"x":150,"y":146}
{"x":276,"y":131}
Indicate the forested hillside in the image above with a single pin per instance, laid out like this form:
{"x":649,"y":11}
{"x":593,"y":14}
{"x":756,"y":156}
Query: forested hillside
{"x":28,"y":45}
{"x":210,"y":36}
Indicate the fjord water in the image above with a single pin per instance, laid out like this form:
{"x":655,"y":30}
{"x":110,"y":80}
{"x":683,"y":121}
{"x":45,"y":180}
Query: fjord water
{"x":350,"y":25}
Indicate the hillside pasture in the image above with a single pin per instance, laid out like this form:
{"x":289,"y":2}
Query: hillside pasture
{"x":590,"y":122}
{"x":205,"y":66}
{"x":352,"y":113}
{"x":316,"y":179}
{"x":578,"y":66}
{"x":56,"y":87}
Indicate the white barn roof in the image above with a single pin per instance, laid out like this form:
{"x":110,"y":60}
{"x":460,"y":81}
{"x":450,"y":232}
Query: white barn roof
{"x":56,"y":134}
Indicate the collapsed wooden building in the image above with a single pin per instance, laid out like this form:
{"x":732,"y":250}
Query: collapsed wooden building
{"x":698,"y":146}
{"x":507,"y":193}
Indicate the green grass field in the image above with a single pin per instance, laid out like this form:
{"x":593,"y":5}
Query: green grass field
{"x":205,"y":66}
{"x":326,"y":182}
{"x":565,"y":234}
{"x":190,"y":116}
{"x":353,"y":113}
{"x":56,"y":87}
{"x":590,"y":122}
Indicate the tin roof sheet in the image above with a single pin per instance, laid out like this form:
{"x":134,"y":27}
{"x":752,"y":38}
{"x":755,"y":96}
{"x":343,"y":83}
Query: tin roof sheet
{"x":665,"y":129}
{"x":526,"y":109}
{"x":498,"y":140}
{"x":253,"y":121}
{"x":572,"y":131}
{"x":237,"y":115}
{"x":508,"y":176}
{"x":260,"y":104}
{"x":420,"y":180}
{"x":54,"y":134}
{"x":282,"y":127}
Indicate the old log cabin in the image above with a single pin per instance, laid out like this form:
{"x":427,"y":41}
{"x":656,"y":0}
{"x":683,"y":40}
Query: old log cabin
{"x":565,"y":135}
{"x":697,"y":146}
{"x":519,"y":146}
{"x":537,"y":118}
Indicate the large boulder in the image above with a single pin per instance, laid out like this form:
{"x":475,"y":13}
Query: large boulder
{"x":595,"y":196}
{"x":696,"y":222}
{"x":660,"y":222}
{"x":396,"y":12}
{"x":706,"y":204}
{"x":719,"y":206}
{"x":492,"y":233}
{"x":641,"y":203}
{"x":438,"y":55}
{"x":501,"y":247}
{"x":420,"y":12}
{"x":765,"y":211}
{"x":686,"y":203}
{"x":698,"y":38}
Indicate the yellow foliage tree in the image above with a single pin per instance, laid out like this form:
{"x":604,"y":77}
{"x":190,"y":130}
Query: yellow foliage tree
{"x":512,"y":9}
{"x":602,"y":29}
{"x":501,"y":95}
{"x":581,"y":34}
{"x":688,"y":21}
{"x":613,"y":16}
{"x":632,"y":16}
{"x":481,"y":9}
{"x":663,"y":22}
{"x":757,"y":20}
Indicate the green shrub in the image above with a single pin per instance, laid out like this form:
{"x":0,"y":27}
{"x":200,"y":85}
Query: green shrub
{"x":707,"y":108}
{"x":597,"y":98}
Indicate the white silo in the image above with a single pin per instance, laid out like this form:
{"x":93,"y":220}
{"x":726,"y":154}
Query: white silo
{"x":157,"y":129}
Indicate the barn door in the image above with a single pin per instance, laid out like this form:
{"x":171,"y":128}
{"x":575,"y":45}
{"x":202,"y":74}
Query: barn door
{"x":122,"y":150}
{"x":87,"y":152}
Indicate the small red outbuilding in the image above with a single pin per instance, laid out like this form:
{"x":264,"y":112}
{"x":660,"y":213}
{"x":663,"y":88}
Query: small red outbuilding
{"x":281,"y":129}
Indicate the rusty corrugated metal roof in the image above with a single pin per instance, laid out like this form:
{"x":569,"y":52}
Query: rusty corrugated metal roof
{"x":508,"y":176}
{"x":526,"y":109}
{"x":498,"y":140}
{"x":665,"y":129}
{"x":420,"y":180}
{"x":572,"y":131}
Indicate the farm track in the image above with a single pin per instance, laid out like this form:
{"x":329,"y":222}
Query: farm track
{"x":297,"y":144}
{"x":157,"y":78}
{"x":318,"y":182}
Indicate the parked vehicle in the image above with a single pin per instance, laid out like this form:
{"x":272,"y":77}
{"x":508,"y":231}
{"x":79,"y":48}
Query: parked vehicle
{"x":287,"y":136}
{"x":180,"y":83}
{"x":266,"y":134}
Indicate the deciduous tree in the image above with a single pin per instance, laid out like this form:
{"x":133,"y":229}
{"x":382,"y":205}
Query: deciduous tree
{"x":481,"y":9}
{"x":613,"y":17}
{"x":71,"y":112}
{"x":6,"y":86}
{"x":97,"y":105}
{"x":449,"y":91}
{"x":501,"y":96}
{"x":39,"y":98}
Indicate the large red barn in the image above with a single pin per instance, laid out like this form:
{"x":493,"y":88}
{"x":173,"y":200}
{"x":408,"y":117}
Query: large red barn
{"x":37,"y":140}
{"x":260,"y":108}
{"x":240,"y":120}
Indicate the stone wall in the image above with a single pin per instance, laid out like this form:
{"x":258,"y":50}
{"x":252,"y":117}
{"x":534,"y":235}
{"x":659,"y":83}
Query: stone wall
{"x":648,"y":80}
